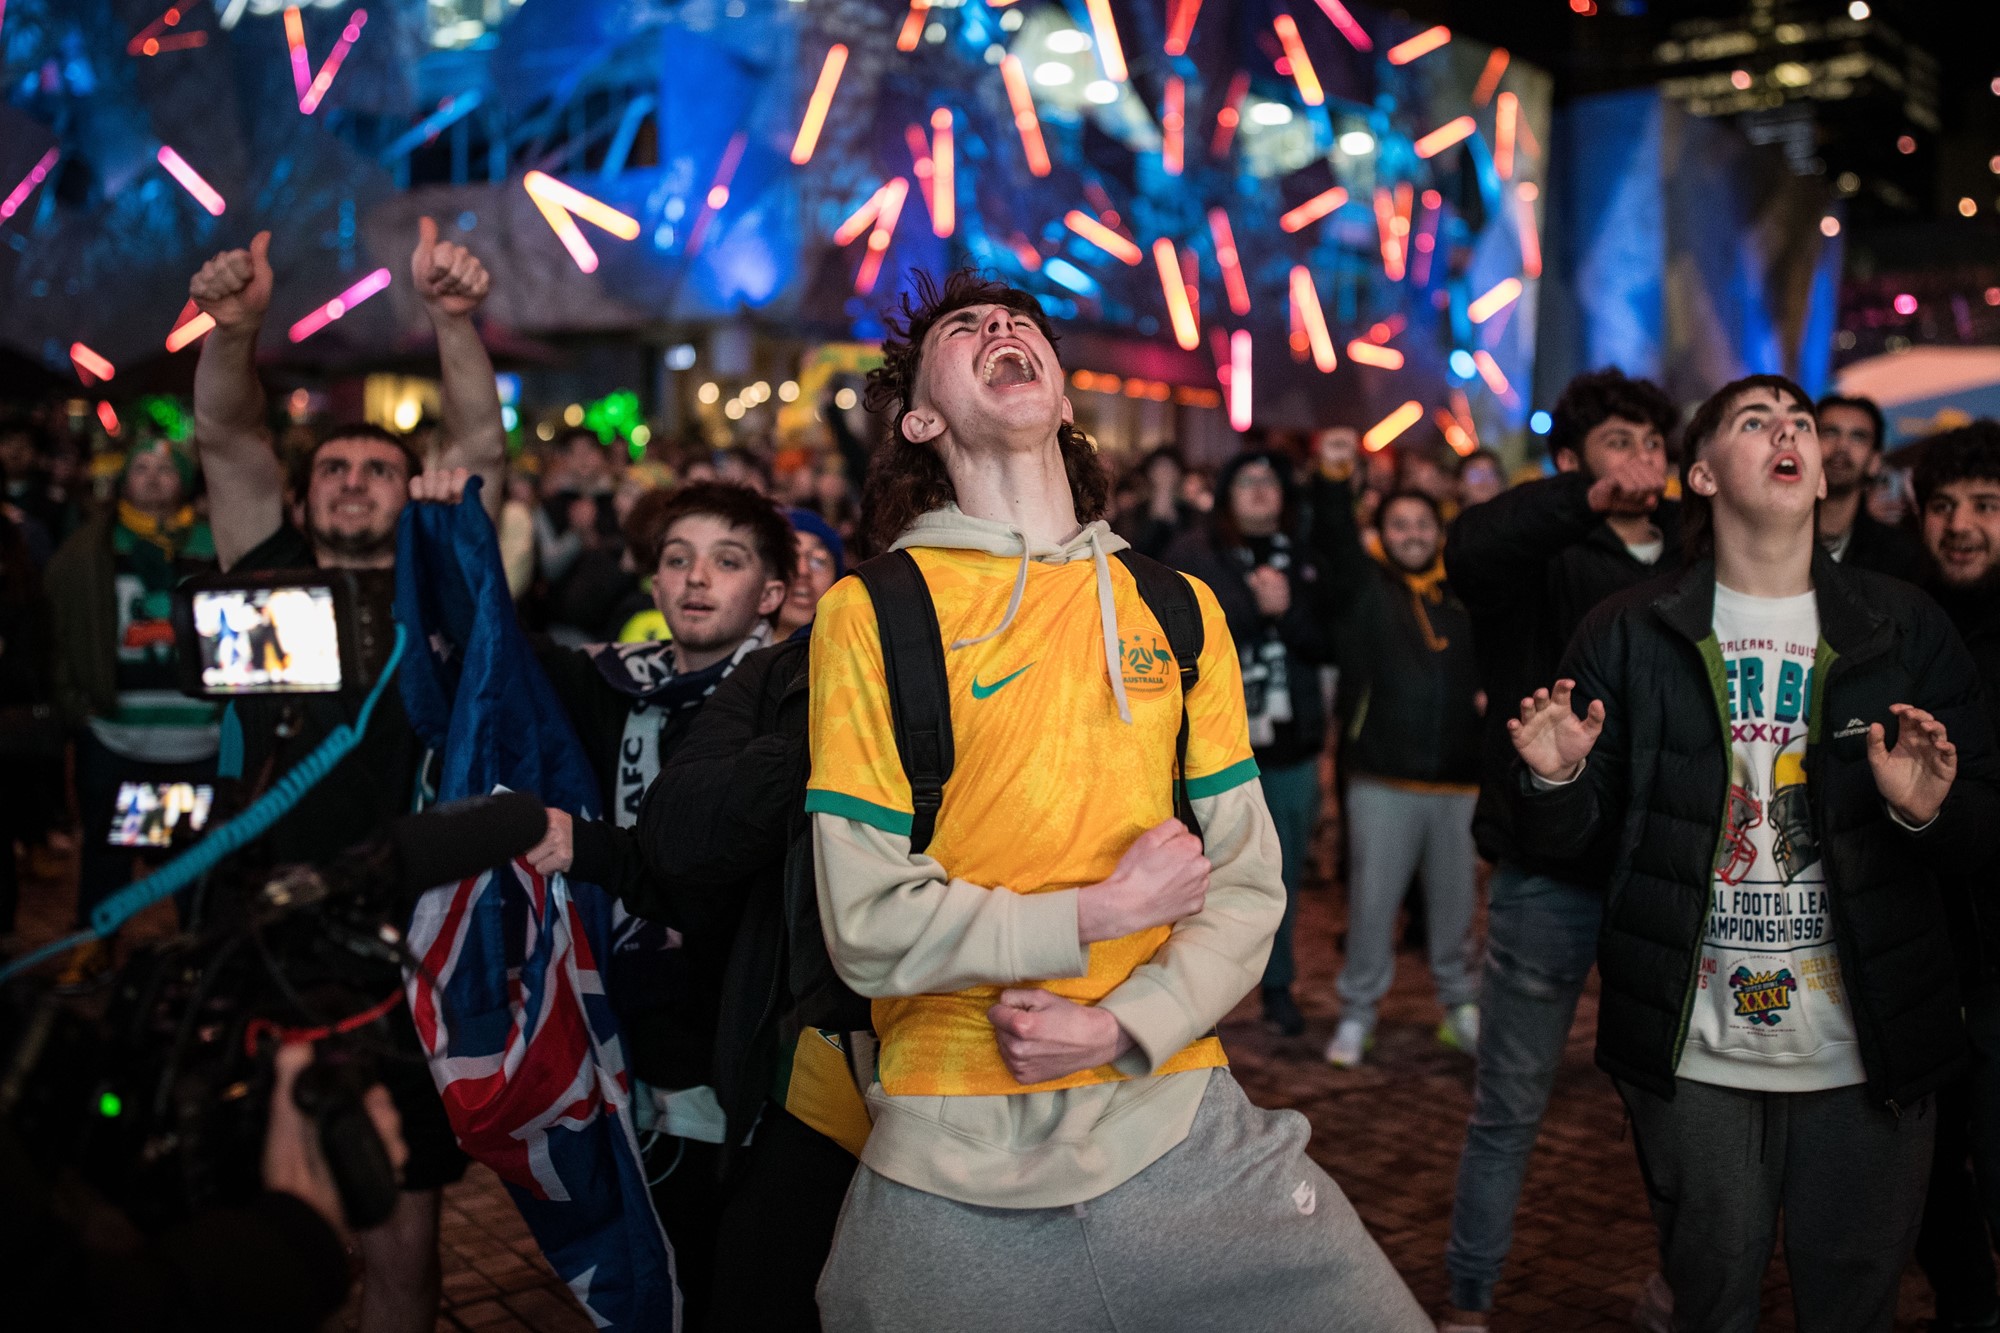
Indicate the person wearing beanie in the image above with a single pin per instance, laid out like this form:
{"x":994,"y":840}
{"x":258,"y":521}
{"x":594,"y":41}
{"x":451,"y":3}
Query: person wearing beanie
{"x":822,"y":562}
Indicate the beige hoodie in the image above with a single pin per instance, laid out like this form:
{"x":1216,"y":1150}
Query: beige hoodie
{"x":899,"y":924}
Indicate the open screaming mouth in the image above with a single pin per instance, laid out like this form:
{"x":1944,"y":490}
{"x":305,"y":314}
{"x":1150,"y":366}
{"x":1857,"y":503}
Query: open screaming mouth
{"x":1007,"y":366}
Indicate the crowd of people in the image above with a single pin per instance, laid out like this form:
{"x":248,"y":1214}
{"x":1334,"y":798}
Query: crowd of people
{"x":1689,"y":703}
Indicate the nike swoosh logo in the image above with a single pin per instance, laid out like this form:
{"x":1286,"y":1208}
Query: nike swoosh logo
{"x":986,"y":691}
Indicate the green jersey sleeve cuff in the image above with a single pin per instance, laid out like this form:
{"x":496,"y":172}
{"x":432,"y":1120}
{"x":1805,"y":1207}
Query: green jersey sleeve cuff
{"x":1197,"y":788}
{"x":881,"y":817}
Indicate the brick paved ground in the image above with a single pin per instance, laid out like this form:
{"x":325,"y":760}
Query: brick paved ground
{"x":1389,"y":1133}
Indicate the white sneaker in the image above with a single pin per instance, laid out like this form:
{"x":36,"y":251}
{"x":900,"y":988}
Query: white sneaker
{"x":1460,"y":1029}
{"x":1351,"y":1041}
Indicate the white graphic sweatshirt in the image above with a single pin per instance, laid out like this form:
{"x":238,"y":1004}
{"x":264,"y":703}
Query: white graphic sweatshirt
{"x":1770,"y":1012}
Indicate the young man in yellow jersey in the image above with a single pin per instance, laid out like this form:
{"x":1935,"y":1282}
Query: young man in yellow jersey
{"x":1057,"y":1140}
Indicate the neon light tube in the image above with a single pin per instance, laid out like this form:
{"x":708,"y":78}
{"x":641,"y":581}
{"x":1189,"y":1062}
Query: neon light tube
{"x":1374,"y":354}
{"x":1173,"y":125}
{"x":89,"y":365}
{"x":566,"y":231}
{"x":1454,"y":434}
{"x":1231,"y":113}
{"x":595,"y":212}
{"x":1489,"y":78}
{"x":1506,"y":117}
{"x":107,"y":417}
{"x":1181,"y":26}
{"x":192,"y":324}
{"x":1503,"y":294}
{"x":893,"y":195}
{"x":1110,"y":53}
{"x":1445,"y":135}
{"x":352,"y":33}
{"x":341,"y":304}
{"x":1303,"y":73}
{"x":913,"y":26}
{"x":1422,"y":44}
{"x":861,"y":219}
{"x":1305,"y":300}
{"x":1357,"y":36}
{"x":36,"y":175}
{"x":1239,"y":379}
{"x":1226,"y":258}
{"x":1489,"y":370}
{"x":295,"y":38}
{"x":1026,"y":121}
{"x":190,"y":179}
{"x":1187,"y":333}
{"x":718,"y":192}
{"x":1531,"y":238}
{"x":1392,"y":244}
{"x":818,"y":104}
{"x":1102,"y":236}
{"x":1389,"y":427}
{"x":944,"y":208}
{"x":1313,"y":209}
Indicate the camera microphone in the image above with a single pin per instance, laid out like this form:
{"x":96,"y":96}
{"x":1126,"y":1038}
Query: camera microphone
{"x":460,"y":839}
{"x":442,"y":845}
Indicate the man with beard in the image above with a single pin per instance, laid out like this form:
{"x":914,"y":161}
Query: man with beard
{"x":1850,"y":433}
{"x":1411,"y":751}
{"x":339,"y":511}
{"x":1957,"y":482}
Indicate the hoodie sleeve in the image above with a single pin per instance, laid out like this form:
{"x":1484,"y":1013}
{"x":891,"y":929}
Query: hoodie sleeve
{"x":1213,"y":958}
{"x":896,"y":924}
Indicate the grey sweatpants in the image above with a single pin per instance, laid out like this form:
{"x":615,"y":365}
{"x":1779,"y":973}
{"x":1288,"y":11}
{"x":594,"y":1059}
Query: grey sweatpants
{"x":1849,"y":1176}
{"x":1235,"y":1228}
{"x":1392,"y":832}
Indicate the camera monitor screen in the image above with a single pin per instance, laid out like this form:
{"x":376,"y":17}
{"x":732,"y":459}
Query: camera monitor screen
{"x":159,"y":814}
{"x":279,"y":640}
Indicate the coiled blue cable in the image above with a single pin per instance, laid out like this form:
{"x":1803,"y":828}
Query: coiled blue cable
{"x":252,"y":823}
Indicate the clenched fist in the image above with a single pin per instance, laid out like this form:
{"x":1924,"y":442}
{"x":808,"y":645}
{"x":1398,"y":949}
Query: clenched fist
{"x":449,"y":277}
{"x":234,"y":288}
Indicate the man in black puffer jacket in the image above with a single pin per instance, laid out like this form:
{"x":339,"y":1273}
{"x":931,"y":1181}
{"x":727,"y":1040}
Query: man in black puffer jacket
{"x":1411,"y":751}
{"x":1780,"y":759}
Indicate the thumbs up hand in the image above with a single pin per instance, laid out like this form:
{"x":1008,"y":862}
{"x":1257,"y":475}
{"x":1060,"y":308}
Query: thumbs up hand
{"x":449,"y":277}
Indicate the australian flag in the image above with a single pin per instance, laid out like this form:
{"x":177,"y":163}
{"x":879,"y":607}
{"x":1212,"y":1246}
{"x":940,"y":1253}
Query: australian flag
{"x":511,"y":1000}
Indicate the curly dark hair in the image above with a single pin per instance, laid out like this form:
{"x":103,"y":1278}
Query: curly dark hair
{"x":1966,"y":453}
{"x":1588,"y":401}
{"x":654,"y":516}
{"x":1697,"y":510}
{"x":907,"y":480}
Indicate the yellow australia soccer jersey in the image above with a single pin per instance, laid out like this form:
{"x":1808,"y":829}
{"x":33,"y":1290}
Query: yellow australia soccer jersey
{"x":1049,"y":786}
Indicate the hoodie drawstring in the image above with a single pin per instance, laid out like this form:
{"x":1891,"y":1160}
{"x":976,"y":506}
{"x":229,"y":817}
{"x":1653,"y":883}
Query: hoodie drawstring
{"x":1013,"y":603}
{"x":1107,"y":609}
{"x":1107,"y":615}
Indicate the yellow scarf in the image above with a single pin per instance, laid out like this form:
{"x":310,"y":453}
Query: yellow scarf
{"x":169,"y":534}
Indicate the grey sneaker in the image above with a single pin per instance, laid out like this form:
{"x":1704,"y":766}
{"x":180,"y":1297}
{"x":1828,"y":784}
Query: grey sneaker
{"x":1351,"y":1041}
{"x":1460,"y":1029}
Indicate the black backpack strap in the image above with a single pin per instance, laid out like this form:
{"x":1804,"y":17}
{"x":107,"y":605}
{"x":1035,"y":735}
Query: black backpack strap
{"x":919,"y":693}
{"x":1170,"y":597}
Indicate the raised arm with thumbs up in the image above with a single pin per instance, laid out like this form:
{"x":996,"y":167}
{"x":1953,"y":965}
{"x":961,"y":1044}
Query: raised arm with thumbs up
{"x":453,"y":282}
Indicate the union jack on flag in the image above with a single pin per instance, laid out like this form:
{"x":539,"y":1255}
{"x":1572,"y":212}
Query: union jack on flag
{"x":511,"y":1001}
